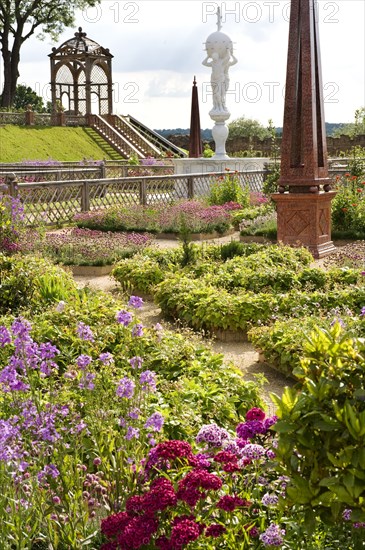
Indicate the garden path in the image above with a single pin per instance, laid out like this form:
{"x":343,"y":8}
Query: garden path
{"x":242,"y":354}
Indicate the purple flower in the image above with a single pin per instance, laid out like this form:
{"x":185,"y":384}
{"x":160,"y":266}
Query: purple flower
{"x":249,"y":429}
{"x":83,"y":361}
{"x":253,"y":451}
{"x":86,"y":382}
{"x":273,"y":536}
{"x":5,"y":337}
{"x":126,"y":388}
{"x":136,"y":362}
{"x":21,"y":327}
{"x":270,"y":499}
{"x":136,"y":302}
{"x":106,"y":358}
{"x":148,"y":380}
{"x":124,"y":317}
{"x":362,"y":313}
{"x":132,"y":433}
{"x":137,"y":330}
{"x":212,"y":434}
{"x":134,"y":413}
{"x":61,"y":306}
{"x":346,"y":514}
{"x":155,"y":422}
{"x":84,"y":332}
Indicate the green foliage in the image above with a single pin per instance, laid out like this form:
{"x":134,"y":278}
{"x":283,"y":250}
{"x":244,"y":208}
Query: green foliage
{"x":228,"y":189}
{"x":31,"y":282}
{"x":322,"y":427}
{"x":270,"y":183}
{"x":352,"y":129}
{"x":208,"y":152}
{"x":247,"y":128}
{"x":348,"y":206}
{"x":24,"y":96}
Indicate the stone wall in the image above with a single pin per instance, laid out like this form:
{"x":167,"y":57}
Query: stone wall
{"x":335,"y":145}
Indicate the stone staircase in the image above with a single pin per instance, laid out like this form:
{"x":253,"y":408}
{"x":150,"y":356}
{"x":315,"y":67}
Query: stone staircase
{"x":129,"y":137}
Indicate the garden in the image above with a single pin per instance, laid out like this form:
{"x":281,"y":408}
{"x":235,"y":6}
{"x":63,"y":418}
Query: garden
{"x":116,"y":434}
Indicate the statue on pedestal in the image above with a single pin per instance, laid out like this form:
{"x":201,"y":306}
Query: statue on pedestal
{"x":220,"y":58}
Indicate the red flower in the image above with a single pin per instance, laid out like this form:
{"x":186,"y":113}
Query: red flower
{"x":228,"y":503}
{"x":255,"y":414}
{"x":344,"y":209}
{"x":184,"y":532}
{"x":215,"y":530}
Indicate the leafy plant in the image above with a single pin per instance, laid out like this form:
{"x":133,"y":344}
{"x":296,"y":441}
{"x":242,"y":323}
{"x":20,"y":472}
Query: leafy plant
{"x":322,"y":428}
{"x":228,"y":189}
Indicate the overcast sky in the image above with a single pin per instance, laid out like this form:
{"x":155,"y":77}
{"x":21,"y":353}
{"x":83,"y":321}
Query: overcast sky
{"x":158,"y":47}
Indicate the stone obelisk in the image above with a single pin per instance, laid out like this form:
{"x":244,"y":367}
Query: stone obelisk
{"x":304,"y":197}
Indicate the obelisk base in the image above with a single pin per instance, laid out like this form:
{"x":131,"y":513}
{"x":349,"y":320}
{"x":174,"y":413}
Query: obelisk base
{"x":304,"y":219}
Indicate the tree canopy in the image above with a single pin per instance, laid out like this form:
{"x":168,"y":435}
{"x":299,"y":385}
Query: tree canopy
{"x":19,"y":20}
{"x":353,"y":129}
{"x":247,"y":128}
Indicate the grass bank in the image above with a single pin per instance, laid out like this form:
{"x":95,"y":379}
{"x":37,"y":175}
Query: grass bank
{"x":19,"y":143}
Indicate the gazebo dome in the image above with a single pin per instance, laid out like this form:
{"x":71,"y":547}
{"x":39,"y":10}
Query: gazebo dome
{"x":80,"y":44}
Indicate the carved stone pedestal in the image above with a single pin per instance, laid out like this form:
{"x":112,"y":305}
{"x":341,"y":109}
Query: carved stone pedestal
{"x":304,"y":219}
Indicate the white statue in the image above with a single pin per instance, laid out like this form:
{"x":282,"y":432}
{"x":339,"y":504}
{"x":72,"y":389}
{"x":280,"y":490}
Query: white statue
{"x":220,"y":78}
{"x":219,"y":58}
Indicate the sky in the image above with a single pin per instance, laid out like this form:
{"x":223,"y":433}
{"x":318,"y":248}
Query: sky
{"x":159,"y":46}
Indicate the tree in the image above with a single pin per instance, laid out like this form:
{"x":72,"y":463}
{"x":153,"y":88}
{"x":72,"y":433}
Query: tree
{"x":24,"y":95}
{"x":19,"y":19}
{"x":247,"y":128}
{"x":353,"y":129}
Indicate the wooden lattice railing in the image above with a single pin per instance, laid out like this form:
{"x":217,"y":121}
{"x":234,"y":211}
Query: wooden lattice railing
{"x":57,"y":202}
{"x":112,"y":136}
{"x":127,"y":131}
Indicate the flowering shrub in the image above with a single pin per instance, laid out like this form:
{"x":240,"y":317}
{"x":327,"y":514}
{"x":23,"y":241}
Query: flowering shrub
{"x":91,"y":247}
{"x":51,"y":433}
{"x":194,"y":215}
{"x":348,"y":206}
{"x":226,"y":493}
{"x":11,"y":223}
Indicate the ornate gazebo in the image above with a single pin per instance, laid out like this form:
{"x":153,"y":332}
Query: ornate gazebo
{"x":81,"y":75}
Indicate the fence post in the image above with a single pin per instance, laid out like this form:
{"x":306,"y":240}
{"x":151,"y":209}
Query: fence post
{"x":29,"y":116}
{"x":142,"y":193}
{"x":190,"y":187}
{"x":102,"y":171}
{"x":85,"y":197}
{"x":11,"y":181}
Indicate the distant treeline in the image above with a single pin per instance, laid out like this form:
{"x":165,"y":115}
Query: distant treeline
{"x":207,"y":133}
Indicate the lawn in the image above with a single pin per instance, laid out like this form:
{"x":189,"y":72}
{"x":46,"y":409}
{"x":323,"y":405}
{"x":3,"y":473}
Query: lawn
{"x":19,"y":143}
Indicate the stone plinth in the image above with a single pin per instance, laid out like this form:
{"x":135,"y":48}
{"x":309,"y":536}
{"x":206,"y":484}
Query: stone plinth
{"x":206,"y":165}
{"x":304,"y":219}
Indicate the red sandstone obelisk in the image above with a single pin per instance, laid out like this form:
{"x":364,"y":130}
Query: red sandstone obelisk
{"x":304,"y":198}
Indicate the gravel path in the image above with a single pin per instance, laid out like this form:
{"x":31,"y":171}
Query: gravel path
{"x":242,"y":354}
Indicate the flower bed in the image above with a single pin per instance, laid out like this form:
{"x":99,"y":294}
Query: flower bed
{"x":86,"y":247}
{"x":188,"y":216}
{"x":118,"y":436}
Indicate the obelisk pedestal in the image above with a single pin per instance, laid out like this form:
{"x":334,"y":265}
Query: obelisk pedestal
{"x":304,"y":197}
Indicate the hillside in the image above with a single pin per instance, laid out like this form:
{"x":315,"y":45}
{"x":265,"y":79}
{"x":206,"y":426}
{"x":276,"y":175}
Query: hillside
{"x":19,"y":143}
